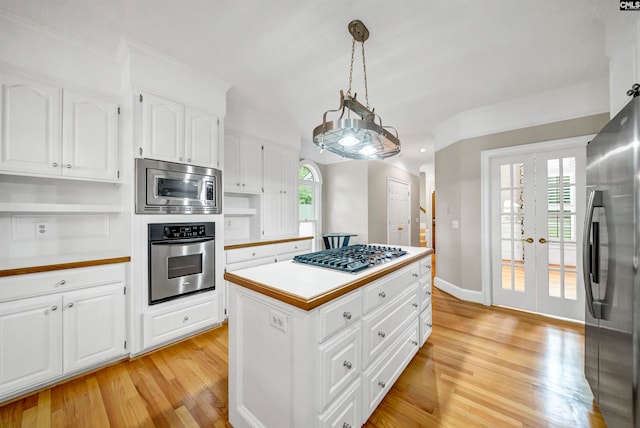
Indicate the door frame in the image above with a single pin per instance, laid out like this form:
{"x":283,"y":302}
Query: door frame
{"x":485,"y":198}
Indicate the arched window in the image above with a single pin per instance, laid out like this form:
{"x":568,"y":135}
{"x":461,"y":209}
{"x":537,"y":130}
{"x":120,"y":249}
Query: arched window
{"x":310,"y":200}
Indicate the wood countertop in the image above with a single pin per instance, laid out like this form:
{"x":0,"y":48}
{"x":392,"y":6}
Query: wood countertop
{"x":307,"y":287}
{"x":233,"y":246}
{"x":22,"y":266}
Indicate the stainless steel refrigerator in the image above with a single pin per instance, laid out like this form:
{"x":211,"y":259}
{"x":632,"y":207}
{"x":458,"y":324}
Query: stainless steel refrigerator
{"x":610,"y":262}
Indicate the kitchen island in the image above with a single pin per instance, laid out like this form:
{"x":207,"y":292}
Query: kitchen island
{"x":313,"y":347}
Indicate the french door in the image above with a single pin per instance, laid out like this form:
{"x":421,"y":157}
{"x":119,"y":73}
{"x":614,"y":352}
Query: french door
{"x":537,"y":210}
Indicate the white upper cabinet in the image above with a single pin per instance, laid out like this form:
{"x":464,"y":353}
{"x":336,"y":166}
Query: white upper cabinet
{"x":243,"y":164}
{"x":280,"y":195}
{"x":30,"y":120}
{"x":201,"y":137}
{"x":89,"y":137}
{"x":51,"y":131}
{"x":174,"y":132}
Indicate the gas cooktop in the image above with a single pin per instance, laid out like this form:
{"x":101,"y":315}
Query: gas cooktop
{"x":351,"y":259}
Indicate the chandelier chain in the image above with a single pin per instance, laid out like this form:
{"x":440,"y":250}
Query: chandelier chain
{"x":364,"y":68}
{"x":353,"y":50}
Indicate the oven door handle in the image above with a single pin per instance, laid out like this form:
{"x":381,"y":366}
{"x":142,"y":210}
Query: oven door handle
{"x":182,"y":241}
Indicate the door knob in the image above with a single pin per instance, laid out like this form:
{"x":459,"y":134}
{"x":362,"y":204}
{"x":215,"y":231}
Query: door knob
{"x":529,"y":240}
{"x":542,"y":241}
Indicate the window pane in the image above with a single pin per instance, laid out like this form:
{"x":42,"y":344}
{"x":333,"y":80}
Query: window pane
{"x":306,"y":174}
{"x":306,"y":209}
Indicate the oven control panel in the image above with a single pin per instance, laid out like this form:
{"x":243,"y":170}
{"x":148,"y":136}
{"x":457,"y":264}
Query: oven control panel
{"x":168,"y":231}
{"x":173,"y":232}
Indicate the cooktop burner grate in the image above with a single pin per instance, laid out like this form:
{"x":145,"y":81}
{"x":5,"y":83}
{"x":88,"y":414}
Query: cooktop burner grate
{"x":351,"y":259}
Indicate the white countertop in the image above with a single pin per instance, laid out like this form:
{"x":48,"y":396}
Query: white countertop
{"x":307,"y":281}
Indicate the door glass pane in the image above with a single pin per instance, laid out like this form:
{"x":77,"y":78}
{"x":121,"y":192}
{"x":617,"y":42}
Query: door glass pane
{"x":561,"y":227}
{"x":512,"y":226}
{"x":518,"y":277}
{"x":507,"y":277}
{"x":306,"y":208}
{"x":505,"y":176}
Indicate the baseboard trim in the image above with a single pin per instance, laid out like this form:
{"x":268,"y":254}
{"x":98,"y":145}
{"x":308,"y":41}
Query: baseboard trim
{"x":460,"y":293}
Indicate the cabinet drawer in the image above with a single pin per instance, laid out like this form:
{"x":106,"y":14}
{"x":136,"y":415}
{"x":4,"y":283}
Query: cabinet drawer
{"x":425,"y":266}
{"x":171,"y":323}
{"x":346,"y":411}
{"x":386,"y":289}
{"x":425,"y":295}
{"x":382,"y":327}
{"x":339,"y":314}
{"x":426,"y":324}
{"x":249,"y":263}
{"x":35,"y":284}
{"x":251,"y":253}
{"x":381,"y":376}
{"x":294,"y":247}
{"x":339,"y":364}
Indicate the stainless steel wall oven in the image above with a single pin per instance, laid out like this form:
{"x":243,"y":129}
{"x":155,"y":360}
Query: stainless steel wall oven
{"x":181,"y":260}
{"x":173,"y":188}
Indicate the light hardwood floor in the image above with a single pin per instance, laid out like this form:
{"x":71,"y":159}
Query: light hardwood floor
{"x":481,"y":367}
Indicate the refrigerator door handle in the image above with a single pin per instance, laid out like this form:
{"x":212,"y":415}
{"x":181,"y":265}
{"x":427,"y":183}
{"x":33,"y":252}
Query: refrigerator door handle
{"x":590,"y":254}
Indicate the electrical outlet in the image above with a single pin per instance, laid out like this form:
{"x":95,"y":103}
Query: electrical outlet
{"x":278,"y":320}
{"x":42,"y":230}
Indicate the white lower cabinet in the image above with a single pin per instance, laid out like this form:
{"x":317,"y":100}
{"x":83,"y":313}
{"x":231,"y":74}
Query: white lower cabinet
{"x":327,"y":367}
{"x":51,"y":336}
{"x":30,"y":342}
{"x":161,"y":325}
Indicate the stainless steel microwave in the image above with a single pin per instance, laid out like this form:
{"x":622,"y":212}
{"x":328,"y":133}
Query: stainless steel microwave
{"x":174,"y":188}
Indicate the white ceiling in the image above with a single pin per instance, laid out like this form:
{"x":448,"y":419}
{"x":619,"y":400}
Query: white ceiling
{"x":427,"y":60}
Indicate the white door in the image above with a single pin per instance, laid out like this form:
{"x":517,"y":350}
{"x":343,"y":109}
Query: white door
{"x":398,"y":212}
{"x":30,"y":342}
{"x":162,"y":128}
{"x":30,"y":120}
{"x":201,"y":138}
{"x":93,"y":326}
{"x":89,"y":137}
{"x":537,"y":205}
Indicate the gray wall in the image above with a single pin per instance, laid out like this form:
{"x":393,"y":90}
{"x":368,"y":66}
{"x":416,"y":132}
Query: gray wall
{"x":354,"y":198}
{"x":457,"y":183}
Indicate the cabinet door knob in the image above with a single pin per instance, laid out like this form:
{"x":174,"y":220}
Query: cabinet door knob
{"x":55,"y":164}
{"x":70,"y":305}
{"x":180,"y":158}
{"x":186,"y":318}
{"x":382,"y":334}
{"x":189,"y":160}
{"x":382,"y":294}
{"x":242,"y":184}
{"x":54,"y":308}
{"x":347,"y":364}
{"x":415,"y":305}
{"x":414,"y":342}
{"x":381,"y":384}
{"x":238,"y":184}
{"x":62,"y":282}
{"x":429,"y":325}
{"x":347,"y":315}
{"x":68,"y":166}
{"x":415,"y":275}
{"x":346,"y":425}
{"x":428,"y":293}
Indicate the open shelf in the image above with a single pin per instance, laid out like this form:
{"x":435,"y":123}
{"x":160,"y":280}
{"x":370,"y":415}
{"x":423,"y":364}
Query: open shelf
{"x":239,"y":211}
{"x":26,"y":207}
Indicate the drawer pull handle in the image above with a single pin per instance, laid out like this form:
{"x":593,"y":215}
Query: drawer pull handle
{"x":70,"y":305}
{"x":414,"y":342}
{"x":381,"y":334}
{"x":253,"y":254}
{"x":54,"y":308}
{"x":347,"y":364}
{"x":415,"y":275}
{"x":428,"y":293}
{"x":55,"y":164}
{"x":186,"y":318}
{"x":429,"y":325}
{"x":381,"y":384}
{"x":347,"y":315}
{"x":62,"y":282}
{"x":415,"y":305}
{"x":382,"y":294}
{"x":346,"y":425}
{"x":68,"y":166}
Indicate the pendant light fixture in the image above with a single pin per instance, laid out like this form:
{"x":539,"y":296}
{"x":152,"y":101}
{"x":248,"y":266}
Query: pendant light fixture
{"x":356,"y":138}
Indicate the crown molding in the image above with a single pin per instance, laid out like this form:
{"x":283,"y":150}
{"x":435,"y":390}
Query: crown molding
{"x":585,"y":99}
